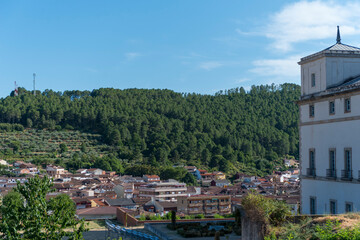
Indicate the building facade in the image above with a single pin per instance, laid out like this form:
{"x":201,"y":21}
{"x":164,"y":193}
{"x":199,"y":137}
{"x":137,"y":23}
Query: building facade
{"x":168,"y":190}
{"x":204,"y":204}
{"x":330,"y":130}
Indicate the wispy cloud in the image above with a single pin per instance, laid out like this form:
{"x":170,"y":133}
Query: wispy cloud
{"x":132,"y":55}
{"x":284,"y":68}
{"x":241,"y":32}
{"x":190,"y":56}
{"x":312,"y":20}
{"x":242,"y":80}
{"x":210,"y":65}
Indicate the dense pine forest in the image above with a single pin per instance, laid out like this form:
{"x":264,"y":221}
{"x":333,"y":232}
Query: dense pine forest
{"x":231,"y":130}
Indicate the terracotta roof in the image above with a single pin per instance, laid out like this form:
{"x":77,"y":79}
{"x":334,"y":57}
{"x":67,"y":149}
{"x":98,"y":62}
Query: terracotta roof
{"x":97,"y":211}
{"x":99,"y":202}
{"x":152,"y":176}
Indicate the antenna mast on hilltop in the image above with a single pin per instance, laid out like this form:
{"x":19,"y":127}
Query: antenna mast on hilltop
{"x":16,"y":91}
{"x":34,"y":75}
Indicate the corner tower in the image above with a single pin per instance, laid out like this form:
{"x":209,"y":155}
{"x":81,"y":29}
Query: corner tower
{"x":329,"y":130}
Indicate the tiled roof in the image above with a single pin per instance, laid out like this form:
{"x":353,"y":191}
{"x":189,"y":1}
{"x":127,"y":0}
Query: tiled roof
{"x":338,"y":48}
{"x":348,"y":85}
{"x":120,"y":202}
{"x":96,"y":211}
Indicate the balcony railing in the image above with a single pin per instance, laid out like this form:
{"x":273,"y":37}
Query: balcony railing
{"x":195,"y":204}
{"x":311,"y":172}
{"x":213,"y":210}
{"x":331,"y":173}
{"x":346,"y":175}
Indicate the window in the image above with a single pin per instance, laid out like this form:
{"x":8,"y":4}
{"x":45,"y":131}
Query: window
{"x":346,"y":174}
{"x":347,"y":105}
{"x":311,"y":110}
{"x":331,"y":172}
{"x":312,"y":205}
{"x":332,"y":159}
{"x":332,"y":107}
{"x":313,"y":80}
{"x":348,"y":159}
{"x":348,"y":207}
{"x":333,"y":207}
{"x":312,"y":158}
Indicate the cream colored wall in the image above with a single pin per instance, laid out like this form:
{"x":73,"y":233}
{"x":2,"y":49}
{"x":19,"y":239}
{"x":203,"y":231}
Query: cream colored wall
{"x":317,"y":67}
{"x":322,"y":109}
{"x":339,"y":69}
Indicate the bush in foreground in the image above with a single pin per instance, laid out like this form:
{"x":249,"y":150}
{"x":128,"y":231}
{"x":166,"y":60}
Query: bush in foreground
{"x":27,"y":214}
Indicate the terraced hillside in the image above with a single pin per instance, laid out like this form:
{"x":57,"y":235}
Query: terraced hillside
{"x":32,"y":144}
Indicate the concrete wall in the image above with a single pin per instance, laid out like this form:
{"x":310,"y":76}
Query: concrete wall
{"x":251,"y":230}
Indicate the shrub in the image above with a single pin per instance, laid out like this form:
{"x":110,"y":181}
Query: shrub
{"x":261,"y":209}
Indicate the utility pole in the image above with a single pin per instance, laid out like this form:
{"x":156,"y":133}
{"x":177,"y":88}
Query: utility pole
{"x":16,"y":91}
{"x":34,"y":75}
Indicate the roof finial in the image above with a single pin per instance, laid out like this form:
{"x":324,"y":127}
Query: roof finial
{"x":338,"y":39}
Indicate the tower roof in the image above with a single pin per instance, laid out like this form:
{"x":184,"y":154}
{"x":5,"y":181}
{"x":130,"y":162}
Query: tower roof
{"x":338,"y":49}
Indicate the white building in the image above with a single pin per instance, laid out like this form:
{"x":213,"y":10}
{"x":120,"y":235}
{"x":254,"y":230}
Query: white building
{"x":168,"y":190}
{"x":330,"y":130}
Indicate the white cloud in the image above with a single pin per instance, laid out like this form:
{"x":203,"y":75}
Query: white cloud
{"x":242,"y":80}
{"x":312,"y":20}
{"x":132,"y":55}
{"x":210,"y":65}
{"x":283,"y":68}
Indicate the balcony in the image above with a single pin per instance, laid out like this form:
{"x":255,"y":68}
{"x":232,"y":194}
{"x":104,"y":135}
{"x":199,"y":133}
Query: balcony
{"x":224,"y":203}
{"x":213,"y":210}
{"x":195,"y":204}
{"x":311,"y":172}
{"x":196,"y":212}
{"x":225,"y":210}
{"x":346,"y":175}
{"x":331,"y":173}
{"x":211,"y":203}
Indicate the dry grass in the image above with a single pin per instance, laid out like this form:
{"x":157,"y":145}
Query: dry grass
{"x":349,"y":220}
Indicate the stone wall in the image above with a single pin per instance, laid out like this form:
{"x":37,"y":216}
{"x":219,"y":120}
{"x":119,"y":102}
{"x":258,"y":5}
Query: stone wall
{"x":251,"y":230}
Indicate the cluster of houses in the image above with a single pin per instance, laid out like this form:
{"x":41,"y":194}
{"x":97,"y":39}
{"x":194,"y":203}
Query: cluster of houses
{"x":97,"y":193}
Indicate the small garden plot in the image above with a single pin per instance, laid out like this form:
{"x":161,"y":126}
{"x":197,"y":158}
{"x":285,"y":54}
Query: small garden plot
{"x":198,"y":229}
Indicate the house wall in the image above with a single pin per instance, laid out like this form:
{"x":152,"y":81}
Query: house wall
{"x":329,"y":71}
{"x":339,"y":69}
{"x":324,"y":191}
{"x":317,"y":67}
{"x":125,"y":219}
{"x":323,"y":136}
{"x":322,"y":109}
{"x":322,"y":133}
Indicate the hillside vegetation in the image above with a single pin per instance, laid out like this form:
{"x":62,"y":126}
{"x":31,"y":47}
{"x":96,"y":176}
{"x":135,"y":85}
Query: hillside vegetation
{"x":228,"y":131}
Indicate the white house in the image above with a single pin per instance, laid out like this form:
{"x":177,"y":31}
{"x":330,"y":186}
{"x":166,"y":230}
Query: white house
{"x":330,"y":130}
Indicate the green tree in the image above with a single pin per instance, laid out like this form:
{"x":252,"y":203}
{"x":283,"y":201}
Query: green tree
{"x":63,"y":148}
{"x":189,"y":179}
{"x":27,"y":214}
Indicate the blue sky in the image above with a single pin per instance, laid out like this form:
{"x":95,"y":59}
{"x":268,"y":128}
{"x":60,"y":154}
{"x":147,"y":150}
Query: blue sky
{"x":200,"y":46}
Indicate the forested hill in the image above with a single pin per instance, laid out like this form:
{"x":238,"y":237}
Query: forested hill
{"x":162,"y":127}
